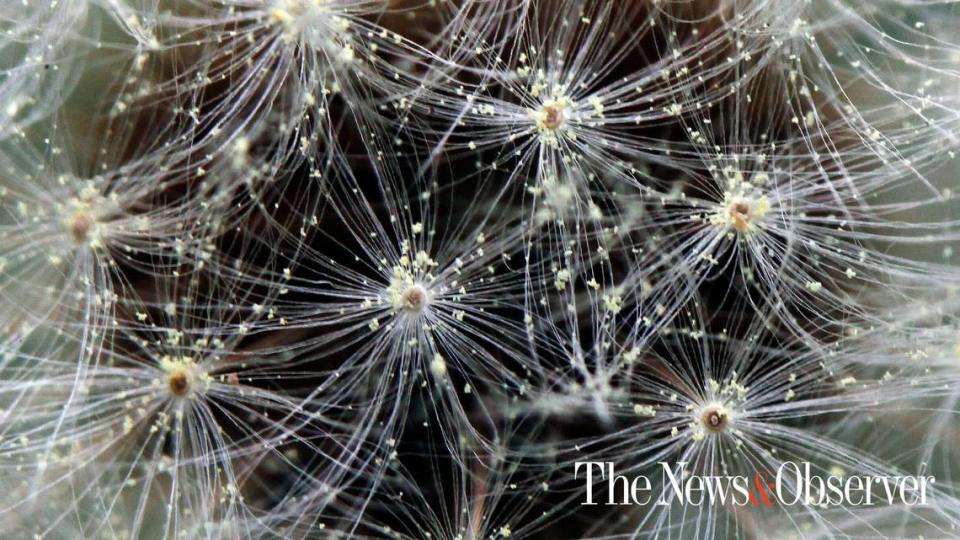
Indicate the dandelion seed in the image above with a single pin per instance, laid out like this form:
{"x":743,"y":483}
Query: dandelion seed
{"x":81,"y":225}
{"x":741,"y":212}
{"x":714,"y":418}
{"x":184,"y":377}
{"x":552,"y":115}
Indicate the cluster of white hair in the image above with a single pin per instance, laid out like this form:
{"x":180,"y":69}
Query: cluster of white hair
{"x":391,"y":268}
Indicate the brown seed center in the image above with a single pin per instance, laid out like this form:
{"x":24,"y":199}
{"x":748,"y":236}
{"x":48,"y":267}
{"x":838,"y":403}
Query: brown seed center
{"x":179,"y":383}
{"x":740,"y":214}
{"x":715,"y":418}
{"x":80,"y":226}
{"x":414,"y":298}
{"x":554,"y":116}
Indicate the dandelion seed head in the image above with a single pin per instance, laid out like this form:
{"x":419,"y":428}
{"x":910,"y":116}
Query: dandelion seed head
{"x":742,"y":212}
{"x":183,"y":378}
{"x":297,"y":15}
{"x":80,"y":226}
{"x":552,"y":116}
{"x":413,"y":298}
{"x":87,"y":212}
{"x":715,"y":418}
{"x":313,"y":22}
{"x":666,"y":149}
{"x":408,"y":291}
